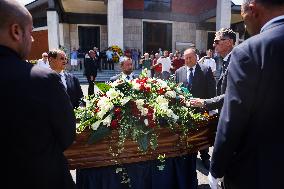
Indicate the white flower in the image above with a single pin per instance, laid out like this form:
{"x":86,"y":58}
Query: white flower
{"x":162,"y":102}
{"x":144,"y":111}
{"x":107,"y":120}
{"x":136,"y":86}
{"x":103,"y":100}
{"x":123,"y":101}
{"x":112,"y":93}
{"x":171,"y":94}
{"x":101,"y":114}
{"x":105,"y":104}
{"x":139,"y":103}
{"x":146,"y":122}
{"x":162,"y":83}
{"x":96,"y":125}
{"x":116,"y":83}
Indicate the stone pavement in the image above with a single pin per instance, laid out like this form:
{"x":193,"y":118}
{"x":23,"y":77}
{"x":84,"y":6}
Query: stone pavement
{"x":201,"y":171}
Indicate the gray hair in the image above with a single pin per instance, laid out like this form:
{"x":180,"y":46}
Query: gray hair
{"x":122,"y":59}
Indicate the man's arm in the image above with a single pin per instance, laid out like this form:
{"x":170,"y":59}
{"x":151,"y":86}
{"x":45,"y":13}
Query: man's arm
{"x":238,"y":103}
{"x":61,"y":113}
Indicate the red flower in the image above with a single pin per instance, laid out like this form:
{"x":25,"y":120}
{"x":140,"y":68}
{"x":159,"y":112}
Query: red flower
{"x":117,"y":111}
{"x":161,"y":91}
{"x":114,"y":124}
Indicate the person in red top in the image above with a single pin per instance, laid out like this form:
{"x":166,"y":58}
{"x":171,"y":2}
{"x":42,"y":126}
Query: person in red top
{"x":157,"y":67}
{"x":177,"y":62}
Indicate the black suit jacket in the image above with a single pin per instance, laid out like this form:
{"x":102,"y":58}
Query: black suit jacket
{"x":217,"y":101}
{"x":91,"y":65}
{"x":74,"y":90}
{"x":203,"y":85}
{"x":37,"y":125}
{"x":249,"y":141}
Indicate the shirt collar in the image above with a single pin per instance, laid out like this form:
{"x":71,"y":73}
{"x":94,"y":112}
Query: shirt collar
{"x":187,"y":67}
{"x":124,"y":76}
{"x":227,"y":56}
{"x":271,"y":21}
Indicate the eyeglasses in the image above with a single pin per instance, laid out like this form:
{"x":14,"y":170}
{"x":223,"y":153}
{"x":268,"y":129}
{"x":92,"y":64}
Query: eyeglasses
{"x":217,"y":41}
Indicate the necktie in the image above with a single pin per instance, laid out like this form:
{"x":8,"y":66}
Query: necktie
{"x":63,"y":79}
{"x":190,"y":78}
{"x":127,"y":77}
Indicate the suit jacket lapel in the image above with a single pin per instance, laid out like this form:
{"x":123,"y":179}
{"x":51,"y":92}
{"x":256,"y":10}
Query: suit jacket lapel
{"x":196,"y":75}
{"x":68,"y":81}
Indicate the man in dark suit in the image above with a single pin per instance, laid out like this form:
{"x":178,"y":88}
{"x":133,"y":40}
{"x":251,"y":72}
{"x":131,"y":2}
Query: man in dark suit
{"x":224,"y":42}
{"x":37,"y":120}
{"x":57,"y":60}
{"x":91,"y":65}
{"x":126,"y":70}
{"x":249,"y":140}
{"x":200,"y":81}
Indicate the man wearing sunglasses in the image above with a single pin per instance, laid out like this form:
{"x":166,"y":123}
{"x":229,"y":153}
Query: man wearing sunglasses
{"x":224,"y":42}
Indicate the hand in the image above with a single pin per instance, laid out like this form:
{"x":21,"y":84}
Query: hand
{"x":213,"y":182}
{"x":197,"y":102}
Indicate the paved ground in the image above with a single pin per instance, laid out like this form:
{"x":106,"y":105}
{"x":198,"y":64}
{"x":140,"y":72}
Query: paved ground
{"x":201,"y":171}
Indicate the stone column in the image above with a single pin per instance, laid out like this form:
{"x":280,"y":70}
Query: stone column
{"x":53,"y":29}
{"x":115,"y":22}
{"x":201,"y":40}
{"x":223,"y":14}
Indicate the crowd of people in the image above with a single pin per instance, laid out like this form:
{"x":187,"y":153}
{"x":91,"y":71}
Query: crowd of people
{"x":39,"y":124}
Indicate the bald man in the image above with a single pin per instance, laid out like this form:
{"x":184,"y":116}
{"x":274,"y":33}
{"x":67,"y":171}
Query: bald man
{"x":37,"y":121}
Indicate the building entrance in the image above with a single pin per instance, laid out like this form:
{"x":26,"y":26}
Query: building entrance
{"x":157,"y":35}
{"x":89,"y":37}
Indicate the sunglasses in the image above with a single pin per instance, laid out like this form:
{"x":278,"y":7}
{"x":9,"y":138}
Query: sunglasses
{"x":217,"y":41}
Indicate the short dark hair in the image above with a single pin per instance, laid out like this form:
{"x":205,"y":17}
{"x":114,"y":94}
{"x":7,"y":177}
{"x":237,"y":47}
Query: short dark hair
{"x":226,"y":33}
{"x":53,"y":53}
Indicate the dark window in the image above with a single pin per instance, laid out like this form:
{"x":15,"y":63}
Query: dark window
{"x":89,"y":37}
{"x":157,"y":5}
{"x":157,"y":35}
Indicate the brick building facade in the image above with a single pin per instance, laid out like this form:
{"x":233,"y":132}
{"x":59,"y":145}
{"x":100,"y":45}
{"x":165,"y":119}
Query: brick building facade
{"x":142,"y":24}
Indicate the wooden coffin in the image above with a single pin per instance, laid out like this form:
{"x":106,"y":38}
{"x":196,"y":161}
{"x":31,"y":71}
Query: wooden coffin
{"x":83,"y":155}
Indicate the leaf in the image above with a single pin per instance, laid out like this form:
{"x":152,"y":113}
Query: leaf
{"x":143,"y":142}
{"x":99,"y":134}
{"x":103,"y":87}
{"x":185,"y":90}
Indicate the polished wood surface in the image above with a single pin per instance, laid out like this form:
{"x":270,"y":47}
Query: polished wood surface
{"x":83,"y":155}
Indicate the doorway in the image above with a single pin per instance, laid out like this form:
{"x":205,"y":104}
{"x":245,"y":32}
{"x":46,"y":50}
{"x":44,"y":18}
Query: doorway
{"x":89,"y":37}
{"x":157,"y":35}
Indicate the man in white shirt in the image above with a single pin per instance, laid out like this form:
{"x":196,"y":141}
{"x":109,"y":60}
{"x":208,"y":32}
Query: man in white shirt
{"x":126,"y":70}
{"x":58,"y":62}
{"x":209,"y":61}
{"x":43,"y":62}
{"x":166,"y":65}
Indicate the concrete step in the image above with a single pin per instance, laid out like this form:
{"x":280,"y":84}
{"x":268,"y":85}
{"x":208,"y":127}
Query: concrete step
{"x":102,"y":76}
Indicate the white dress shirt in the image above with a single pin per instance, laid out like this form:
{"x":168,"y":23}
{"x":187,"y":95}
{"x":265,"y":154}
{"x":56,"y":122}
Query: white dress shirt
{"x":166,"y":63}
{"x":43,"y":64}
{"x":124,"y":76}
{"x":63,"y":79}
{"x":188,"y":71}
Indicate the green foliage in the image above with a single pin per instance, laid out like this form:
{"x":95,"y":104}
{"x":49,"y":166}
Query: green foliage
{"x":103,"y":87}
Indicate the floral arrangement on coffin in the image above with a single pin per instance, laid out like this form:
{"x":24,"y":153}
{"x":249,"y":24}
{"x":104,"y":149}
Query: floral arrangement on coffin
{"x":117,"y":49}
{"x":136,"y":108}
